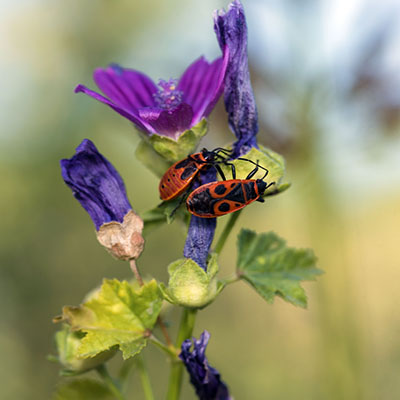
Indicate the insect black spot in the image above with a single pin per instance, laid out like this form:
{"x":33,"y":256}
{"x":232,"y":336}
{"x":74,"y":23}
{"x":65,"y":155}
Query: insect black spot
{"x":220,"y":189}
{"x":169,"y":180}
{"x":163,"y":186}
{"x":233,"y":184}
{"x":237,"y":204}
{"x":223,"y":207}
{"x":173,"y":174}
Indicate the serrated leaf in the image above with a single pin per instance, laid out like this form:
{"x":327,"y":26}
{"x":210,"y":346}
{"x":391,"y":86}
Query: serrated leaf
{"x":83,"y":389}
{"x":119,"y":314}
{"x":274,"y":269}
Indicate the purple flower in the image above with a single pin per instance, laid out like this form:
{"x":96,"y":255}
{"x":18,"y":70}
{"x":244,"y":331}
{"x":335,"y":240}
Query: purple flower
{"x":231,"y":30}
{"x":201,"y":230}
{"x":204,"y":378}
{"x":96,"y":184}
{"x":168,"y":110}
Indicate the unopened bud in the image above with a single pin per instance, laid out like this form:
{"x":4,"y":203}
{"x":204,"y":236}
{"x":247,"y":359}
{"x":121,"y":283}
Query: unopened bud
{"x":68,"y":342}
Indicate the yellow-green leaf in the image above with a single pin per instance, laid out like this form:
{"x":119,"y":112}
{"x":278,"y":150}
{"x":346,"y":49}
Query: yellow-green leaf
{"x":118,"y":314}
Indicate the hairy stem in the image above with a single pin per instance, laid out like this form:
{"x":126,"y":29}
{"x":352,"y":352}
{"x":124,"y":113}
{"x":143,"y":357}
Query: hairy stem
{"x":227,"y":230}
{"x":110,"y":382}
{"x":185,"y":332}
{"x":144,"y":378}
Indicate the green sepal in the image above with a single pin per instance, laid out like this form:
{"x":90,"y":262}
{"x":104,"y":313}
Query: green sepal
{"x":267,"y":158}
{"x":146,"y":154}
{"x":174,"y":150}
{"x":274,"y":269}
{"x":68,"y":343}
{"x":119,"y":314}
{"x":189,"y":285}
{"x":83,"y":389}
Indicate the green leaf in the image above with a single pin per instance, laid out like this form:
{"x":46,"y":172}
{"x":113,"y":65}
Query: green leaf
{"x":274,"y":269}
{"x":189,"y":285}
{"x":118,"y":314}
{"x":83,"y":389}
{"x":162,"y":214}
{"x":272,"y":161}
{"x":174,"y":150}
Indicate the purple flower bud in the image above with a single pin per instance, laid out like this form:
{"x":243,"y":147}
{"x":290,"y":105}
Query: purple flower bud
{"x":201,"y":230}
{"x":96,"y":184}
{"x":168,"y":110}
{"x":205,"y":379}
{"x":231,"y":30}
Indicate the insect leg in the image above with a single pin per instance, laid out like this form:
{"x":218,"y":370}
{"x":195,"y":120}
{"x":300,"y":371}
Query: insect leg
{"x":256,"y":164}
{"x":252,"y":173}
{"x":233,"y":169}
{"x":219,"y":170}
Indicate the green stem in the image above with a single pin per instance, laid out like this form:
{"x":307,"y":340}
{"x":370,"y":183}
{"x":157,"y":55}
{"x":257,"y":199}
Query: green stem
{"x":185,"y":332}
{"x":227,"y":230}
{"x":170,"y":350}
{"x":230,"y":279}
{"x":110,"y":382}
{"x":125,"y":371}
{"x":144,"y":377}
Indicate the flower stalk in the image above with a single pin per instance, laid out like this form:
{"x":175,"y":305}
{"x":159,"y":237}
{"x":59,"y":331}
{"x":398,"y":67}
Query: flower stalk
{"x":144,"y":378}
{"x":185,"y":332}
{"x":110,"y":382}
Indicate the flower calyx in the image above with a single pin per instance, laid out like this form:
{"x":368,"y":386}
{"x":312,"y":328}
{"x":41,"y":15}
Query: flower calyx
{"x":123,"y":240}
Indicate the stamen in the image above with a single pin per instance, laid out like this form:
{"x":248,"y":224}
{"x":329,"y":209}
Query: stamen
{"x":167,"y":96}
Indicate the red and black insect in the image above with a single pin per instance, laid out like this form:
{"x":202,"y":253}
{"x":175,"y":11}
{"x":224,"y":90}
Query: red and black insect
{"x":180,"y":175}
{"x":219,"y":198}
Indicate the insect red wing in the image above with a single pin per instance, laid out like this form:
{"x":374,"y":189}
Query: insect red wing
{"x":179,"y":176}
{"x":220,"y":198}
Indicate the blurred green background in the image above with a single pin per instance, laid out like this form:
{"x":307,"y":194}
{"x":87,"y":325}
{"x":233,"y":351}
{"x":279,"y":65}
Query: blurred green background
{"x":327,"y":84}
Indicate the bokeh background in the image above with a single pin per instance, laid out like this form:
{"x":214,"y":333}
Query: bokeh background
{"x":327,"y":82}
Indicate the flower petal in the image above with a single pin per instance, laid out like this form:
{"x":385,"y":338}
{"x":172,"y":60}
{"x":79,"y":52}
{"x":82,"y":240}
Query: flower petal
{"x":96,"y":184}
{"x":127,"y":88}
{"x":205,"y":379}
{"x":201,"y":230}
{"x":202,"y":85}
{"x":231,"y":30}
{"x":169,"y":123}
{"x":132,"y":116}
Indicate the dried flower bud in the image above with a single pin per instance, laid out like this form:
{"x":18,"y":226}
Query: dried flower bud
{"x":123,"y":240}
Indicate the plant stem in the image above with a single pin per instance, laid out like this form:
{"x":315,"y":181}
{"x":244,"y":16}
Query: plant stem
{"x":164,"y":331}
{"x":185,"y":332}
{"x":170,"y":350}
{"x":135,"y":271}
{"x":110,"y":382}
{"x":227,"y":230}
{"x":125,"y":371}
{"x":144,"y":377}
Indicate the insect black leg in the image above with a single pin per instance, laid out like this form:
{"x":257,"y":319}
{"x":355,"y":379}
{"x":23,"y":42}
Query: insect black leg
{"x":256,"y":164}
{"x":252,"y":173}
{"x":218,"y":168}
{"x":270,"y":184}
{"x":233,"y":169}
{"x":261,"y":200}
